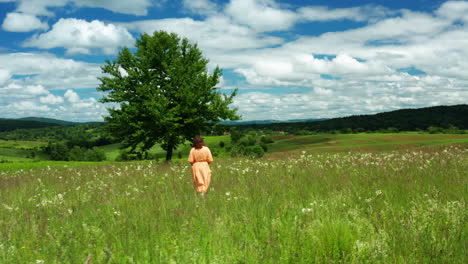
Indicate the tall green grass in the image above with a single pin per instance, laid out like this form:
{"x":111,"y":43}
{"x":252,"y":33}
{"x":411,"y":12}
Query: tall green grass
{"x":385,"y":207}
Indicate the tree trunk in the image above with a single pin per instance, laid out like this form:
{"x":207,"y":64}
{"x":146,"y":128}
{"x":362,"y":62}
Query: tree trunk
{"x":170,"y":148}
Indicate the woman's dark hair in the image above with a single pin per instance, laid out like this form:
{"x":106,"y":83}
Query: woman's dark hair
{"x":198,"y":142}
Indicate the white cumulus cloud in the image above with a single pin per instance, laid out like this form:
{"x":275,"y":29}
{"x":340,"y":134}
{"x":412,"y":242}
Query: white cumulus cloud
{"x":41,"y":7}
{"x":50,"y":71}
{"x":201,"y":7}
{"x":29,"y":106}
{"x":51,"y":99}
{"x":454,"y":10}
{"x":261,"y":15}
{"x":20,"y":22}
{"x":4,"y":76}
{"x":360,"y":14}
{"x":72,"y":96}
{"x":80,"y":36}
{"x":214,"y":34}
{"x":35,"y":90}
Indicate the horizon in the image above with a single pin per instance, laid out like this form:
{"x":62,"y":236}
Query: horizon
{"x":290,"y":60}
{"x":254,"y":120}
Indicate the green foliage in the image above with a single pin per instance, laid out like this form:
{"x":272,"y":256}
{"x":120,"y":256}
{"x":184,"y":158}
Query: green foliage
{"x":450,"y":129}
{"x":60,"y":151}
{"x":12,"y":124}
{"x":248,"y":145}
{"x":248,"y":140}
{"x":264,"y":146}
{"x":255,"y":151}
{"x":85,"y":135}
{"x":434,"y":130}
{"x":388,"y":130}
{"x":94,"y":154}
{"x":303,"y":132}
{"x":57,"y":151}
{"x":221,"y":144}
{"x":235,"y":135}
{"x":266,"y":139}
{"x":164,"y":92}
{"x":125,"y":155}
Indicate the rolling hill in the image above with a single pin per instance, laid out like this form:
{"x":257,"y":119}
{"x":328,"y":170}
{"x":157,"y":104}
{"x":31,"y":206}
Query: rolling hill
{"x":13,"y":124}
{"x":35,"y":122}
{"x":49,"y":120}
{"x":401,"y":120}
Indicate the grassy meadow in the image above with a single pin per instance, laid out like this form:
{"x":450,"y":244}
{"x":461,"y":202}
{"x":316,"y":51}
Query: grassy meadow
{"x":21,"y":151}
{"x":333,"y":200}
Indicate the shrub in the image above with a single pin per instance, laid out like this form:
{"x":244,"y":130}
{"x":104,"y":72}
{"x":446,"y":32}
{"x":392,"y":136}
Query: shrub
{"x":266,"y":140}
{"x":434,"y":130}
{"x":126,"y":155}
{"x":235,"y":135}
{"x":94,"y":154}
{"x":247,"y":141}
{"x":221,"y":144}
{"x":255,"y":151}
{"x":77,"y":153}
{"x":264,"y":146}
{"x":57,"y":151}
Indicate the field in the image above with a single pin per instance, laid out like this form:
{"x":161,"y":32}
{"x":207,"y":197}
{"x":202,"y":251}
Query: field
{"x":333,"y":200}
{"x":21,"y":151}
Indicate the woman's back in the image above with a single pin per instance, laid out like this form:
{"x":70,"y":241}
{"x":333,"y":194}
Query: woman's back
{"x":200,"y":155}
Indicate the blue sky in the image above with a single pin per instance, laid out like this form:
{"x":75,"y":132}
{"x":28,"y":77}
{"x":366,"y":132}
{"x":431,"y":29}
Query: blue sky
{"x":289,"y":59}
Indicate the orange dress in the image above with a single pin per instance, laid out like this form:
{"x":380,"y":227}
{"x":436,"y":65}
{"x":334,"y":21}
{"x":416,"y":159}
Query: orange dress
{"x":201,"y":172}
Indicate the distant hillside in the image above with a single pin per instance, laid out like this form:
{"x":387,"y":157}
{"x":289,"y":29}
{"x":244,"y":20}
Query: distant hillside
{"x":53,"y":132}
{"x":49,"y":120}
{"x":402,"y":120}
{"x":13,"y":124}
{"x":269,"y":121}
{"x":36,"y":122}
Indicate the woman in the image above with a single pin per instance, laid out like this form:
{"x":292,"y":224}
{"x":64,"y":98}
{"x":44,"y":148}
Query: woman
{"x":200,"y":158}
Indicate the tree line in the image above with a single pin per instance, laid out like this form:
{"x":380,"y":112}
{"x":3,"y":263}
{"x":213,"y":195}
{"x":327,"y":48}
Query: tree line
{"x":13,"y":124}
{"x":437,"y":119}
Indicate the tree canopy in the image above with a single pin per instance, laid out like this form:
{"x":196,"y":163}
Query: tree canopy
{"x":163,"y":93}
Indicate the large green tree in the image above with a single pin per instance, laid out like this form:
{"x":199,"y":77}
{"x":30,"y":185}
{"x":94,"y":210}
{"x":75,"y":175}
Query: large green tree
{"x":163,"y":93}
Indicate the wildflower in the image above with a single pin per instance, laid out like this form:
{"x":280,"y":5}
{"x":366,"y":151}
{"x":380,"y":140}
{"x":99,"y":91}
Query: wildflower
{"x":39,"y":261}
{"x":9,"y":208}
{"x":117,"y":213}
{"x":228,"y":193}
{"x":378,"y":192}
{"x":306,"y":210}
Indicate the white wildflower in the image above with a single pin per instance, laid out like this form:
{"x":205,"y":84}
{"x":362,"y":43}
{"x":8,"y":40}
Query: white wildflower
{"x":9,"y":208}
